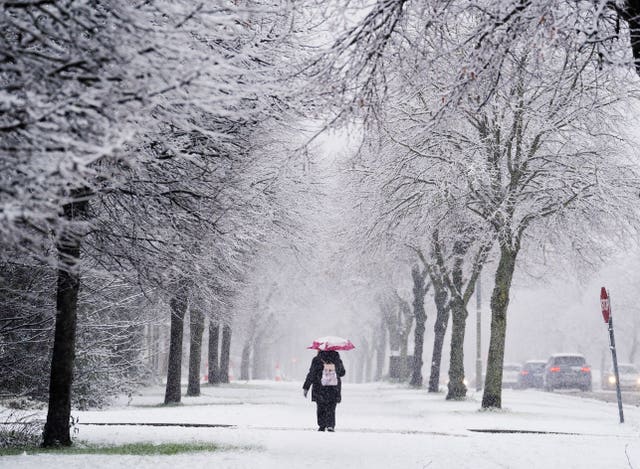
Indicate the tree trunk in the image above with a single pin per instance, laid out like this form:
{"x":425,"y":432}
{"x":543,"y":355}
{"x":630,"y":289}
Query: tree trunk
{"x":439,"y":329}
{"x":361,"y":367}
{"x":225,"y":354}
{"x":419,"y":292}
{"x":459,"y":298}
{"x":56,"y":430}
{"x":406,"y":324}
{"x":492,"y":397}
{"x":260,"y":363}
{"x":381,"y":348}
{"x":245,"y":361}
{"x":631,"y":13}
{"x":394,"y":322}
{"x":172,"y":393}
{"x":214,"y":339}
{"x":634,"y":343}
{"x":416,"y":375}
{"x":404,"y":353}
{"x":403,"y":367}
{"x":195,"y":351}
{"x":369,"y":365}
{"x":263,"y":361}
{"x":457,"y":390}
{"x":155,"y":352}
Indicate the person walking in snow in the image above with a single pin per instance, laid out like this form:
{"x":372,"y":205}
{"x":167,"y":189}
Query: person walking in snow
{"x":326,"y":387}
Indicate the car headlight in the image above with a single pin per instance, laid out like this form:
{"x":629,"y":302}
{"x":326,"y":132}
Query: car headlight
{"x":612,"y":380}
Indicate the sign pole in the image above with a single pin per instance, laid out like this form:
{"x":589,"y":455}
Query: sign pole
{"x":612,"y":345}
{"x":605,"y":302}
{"x":479,"y":380}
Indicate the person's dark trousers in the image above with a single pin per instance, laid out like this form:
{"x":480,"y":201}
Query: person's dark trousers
{"x":326,"y":415}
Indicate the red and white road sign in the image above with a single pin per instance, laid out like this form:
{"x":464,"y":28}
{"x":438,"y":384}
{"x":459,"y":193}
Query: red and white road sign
{"x":605,"y":304}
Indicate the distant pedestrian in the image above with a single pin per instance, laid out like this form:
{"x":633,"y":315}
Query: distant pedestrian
{"x":326,"y":387}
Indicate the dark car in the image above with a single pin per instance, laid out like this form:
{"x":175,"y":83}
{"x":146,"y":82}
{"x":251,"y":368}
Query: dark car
{"x":567,"y":370}
{"x":531,"y":374}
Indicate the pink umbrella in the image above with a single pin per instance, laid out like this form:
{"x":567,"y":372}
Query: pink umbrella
{"x":331,"y":343}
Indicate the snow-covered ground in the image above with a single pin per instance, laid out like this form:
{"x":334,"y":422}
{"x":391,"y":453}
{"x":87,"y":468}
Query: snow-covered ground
{"x":378,"y":426}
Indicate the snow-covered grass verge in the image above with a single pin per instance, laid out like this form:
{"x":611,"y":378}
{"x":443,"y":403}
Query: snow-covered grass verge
{"x":134,"y":449}
{"x":270,"y":425}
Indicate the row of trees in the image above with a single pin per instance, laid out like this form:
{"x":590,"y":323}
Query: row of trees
{"x":491,"y":129}
{"x":136,"y":181}
{"x":146,"y":164}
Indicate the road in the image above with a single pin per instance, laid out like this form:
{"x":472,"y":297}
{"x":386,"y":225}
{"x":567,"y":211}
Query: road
{"x":628,"y":398}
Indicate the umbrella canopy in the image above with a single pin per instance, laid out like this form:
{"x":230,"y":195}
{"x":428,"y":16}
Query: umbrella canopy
{"x":331,"y":343}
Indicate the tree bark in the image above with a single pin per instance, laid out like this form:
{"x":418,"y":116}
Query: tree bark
{"x":174,"y":372}
{"x":393,"y":321}
{"x":214,"y":340}
{"x":195,"y":351}
{"x":155,"y":352}
{"x":225,"y":354}
{"x":492,"y":397}
{"x":457,"y":390}
{"x":633,"y":350}
{"x":458,"y":304}
{"x":361,"y":367}
{"x":631,"y":13}
{"x":260,"y":363}
{"x":381,"y":348}
{"x":245,"y":360}
{"x":439,"y":329}
{"x":56,"y":430}
{"x":406,"y":321}
{"x":359,"y":371}
{"x":419,"y":292}
{"x":369,"y":365}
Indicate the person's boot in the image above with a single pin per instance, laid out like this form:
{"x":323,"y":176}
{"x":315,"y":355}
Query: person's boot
{"x":321,"y":429}
{"x":331,"y":429}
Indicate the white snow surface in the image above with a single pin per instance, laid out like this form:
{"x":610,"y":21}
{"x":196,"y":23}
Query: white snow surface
{"x":378,"y":426}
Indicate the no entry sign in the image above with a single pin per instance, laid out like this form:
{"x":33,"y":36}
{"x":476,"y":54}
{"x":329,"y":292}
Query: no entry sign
{"x":605,"y":304}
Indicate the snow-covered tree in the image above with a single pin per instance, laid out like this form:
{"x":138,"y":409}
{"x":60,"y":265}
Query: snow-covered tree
{"x":542,"y":150}
{"x":98,"y":95}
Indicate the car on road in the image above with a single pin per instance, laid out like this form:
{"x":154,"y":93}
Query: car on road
{"x":567,"y":370}
{"x":629,"y":378}
{"x":510,"y":373}
{"x":531,"y":374}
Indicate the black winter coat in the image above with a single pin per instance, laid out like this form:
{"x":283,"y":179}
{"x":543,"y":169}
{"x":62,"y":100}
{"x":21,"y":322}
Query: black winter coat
{"x":319,"y":393}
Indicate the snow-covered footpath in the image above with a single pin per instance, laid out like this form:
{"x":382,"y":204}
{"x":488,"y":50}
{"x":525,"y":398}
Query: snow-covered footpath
{"x":378,"y":426}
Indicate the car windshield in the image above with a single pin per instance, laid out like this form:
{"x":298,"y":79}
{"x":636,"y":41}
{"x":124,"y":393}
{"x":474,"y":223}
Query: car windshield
{"x":534,"y":366}
{"x":568,"y":360}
